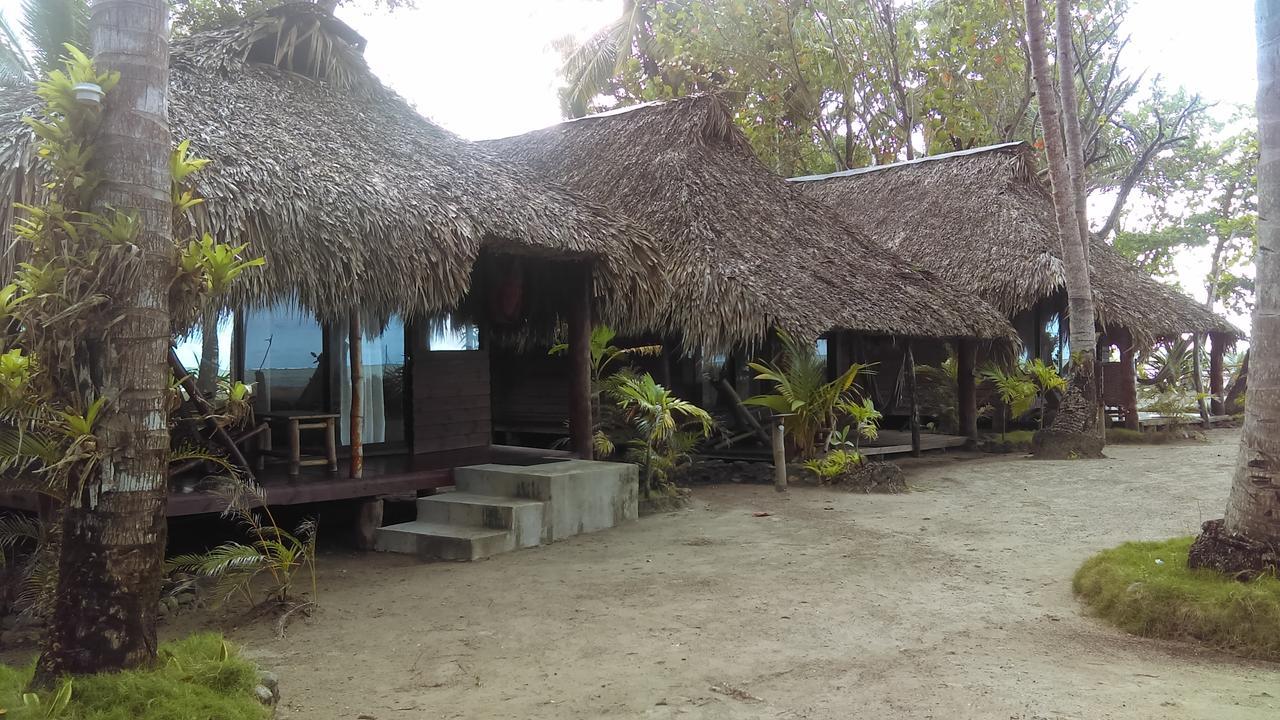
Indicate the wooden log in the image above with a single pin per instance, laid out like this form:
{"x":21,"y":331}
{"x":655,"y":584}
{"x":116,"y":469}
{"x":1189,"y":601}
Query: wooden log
{"x":967,"y":388}
{"x":1217,"y":400}
{"x":205,"y":408}
{"x":579,"y":321}
{"x":779,"y":455}
{"x":368,"y":520}
{"x":913,"y":397}
{"x":741,"y":410}
{"x":357,"y":395}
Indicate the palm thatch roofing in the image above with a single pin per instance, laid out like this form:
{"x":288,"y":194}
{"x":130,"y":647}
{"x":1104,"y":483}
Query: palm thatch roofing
{"x":983,"y":219}
{"x":745,"y":251}
{"x":353,"y":198}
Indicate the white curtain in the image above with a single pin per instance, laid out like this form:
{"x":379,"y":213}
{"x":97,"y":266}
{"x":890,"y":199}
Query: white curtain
{"x":375,"y":361}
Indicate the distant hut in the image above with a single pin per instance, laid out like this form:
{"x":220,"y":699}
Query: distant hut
{"x":745,"y":252}
{"x":982,"y":219}
{"x":382,"y":233}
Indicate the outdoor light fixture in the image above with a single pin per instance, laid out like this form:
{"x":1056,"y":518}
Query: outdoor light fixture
{"x":88,"y":93}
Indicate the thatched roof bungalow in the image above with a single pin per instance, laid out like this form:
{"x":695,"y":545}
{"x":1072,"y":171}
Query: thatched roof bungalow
{"x":984,"y":220}
{"x":368,"y":214}
{"x":353,"y":198}
{"x":745,"y":252}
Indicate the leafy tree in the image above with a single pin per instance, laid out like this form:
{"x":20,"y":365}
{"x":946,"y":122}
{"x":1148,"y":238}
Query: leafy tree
{"x":1205,"y":195}
{"x":825,"y":85}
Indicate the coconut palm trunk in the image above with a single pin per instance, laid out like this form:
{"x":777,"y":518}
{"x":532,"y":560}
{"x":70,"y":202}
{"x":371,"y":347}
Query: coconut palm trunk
{"x":1071,"y":120}
{"x":1074,"y":431}
{"x":111,"y":559}
{"x":1248,"y":539}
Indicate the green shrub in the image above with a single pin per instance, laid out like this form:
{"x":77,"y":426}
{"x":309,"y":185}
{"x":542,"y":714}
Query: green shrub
{"x":1146,"y":588}
{"x":195,"y":678}
{"x":1125,"y":436}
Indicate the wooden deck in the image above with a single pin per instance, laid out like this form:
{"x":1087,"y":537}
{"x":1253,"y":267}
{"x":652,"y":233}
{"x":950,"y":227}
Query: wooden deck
{"x":401,"y":474}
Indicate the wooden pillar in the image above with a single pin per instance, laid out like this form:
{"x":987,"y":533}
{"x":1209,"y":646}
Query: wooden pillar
{"x":914,"y":399}
{"x":579,"y":318}
{"x":1216,"y":343}
{"x":368,"y":520}
{"x":357,"y":400}
{"x":1129,"y":381}
{"x":1197,"y":382}
{"x":967,"y":387}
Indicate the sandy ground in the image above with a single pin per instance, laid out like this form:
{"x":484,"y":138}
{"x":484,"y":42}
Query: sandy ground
{"x":951,"y":601}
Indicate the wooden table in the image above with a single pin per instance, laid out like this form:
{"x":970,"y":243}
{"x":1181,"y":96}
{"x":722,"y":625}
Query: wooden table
{"x":294,"y":422}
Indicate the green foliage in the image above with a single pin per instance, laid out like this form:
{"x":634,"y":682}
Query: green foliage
{"x":273,"y":555}
{"x":865,"y":424}
{"x":1146,"y":588}
{"x":200,"y":676}
{"x":82,"y":268}
{"x":833,"y":464}
{"x":802,"y":393}
{"x":1016,"y":390}
{"x":666,"y":428}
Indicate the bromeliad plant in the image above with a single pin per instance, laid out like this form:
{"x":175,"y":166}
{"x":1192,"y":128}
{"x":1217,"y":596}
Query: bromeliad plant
{"x":666,"y":428}
{"x":1046,"y":379}
{"x":802,"y":393}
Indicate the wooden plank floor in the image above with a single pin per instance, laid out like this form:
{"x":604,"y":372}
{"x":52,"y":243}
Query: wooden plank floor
{"x":898,"y":442}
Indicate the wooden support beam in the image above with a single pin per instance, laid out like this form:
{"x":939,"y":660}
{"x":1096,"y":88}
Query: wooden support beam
{"x":1129,"y":381}
{"x":354,"y":342}
{"x":368,"y":520}
{"x":1216,"y":349}
{"x":967,"y":387}
{"x":1197,"y":381}
{"x":913,"y":398}
{"x":579,"y":320}
{"x":202,"y":405}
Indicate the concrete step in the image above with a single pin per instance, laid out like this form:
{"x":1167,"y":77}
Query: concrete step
{"x":523,"y":517}
{"x":433,"y":540}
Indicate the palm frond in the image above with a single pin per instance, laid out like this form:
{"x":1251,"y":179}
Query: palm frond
{"x":49,"y":25}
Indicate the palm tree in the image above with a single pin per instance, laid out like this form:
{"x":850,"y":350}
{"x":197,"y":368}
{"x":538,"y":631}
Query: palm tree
{"x":111,"y":559}
{"x":47,"y":25}
{"x":1248,"y":538}
{"x":1074,"y":431}
{"x":591,"y":66}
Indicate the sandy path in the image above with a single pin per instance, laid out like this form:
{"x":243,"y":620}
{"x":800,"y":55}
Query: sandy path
{"x":952,"y":601}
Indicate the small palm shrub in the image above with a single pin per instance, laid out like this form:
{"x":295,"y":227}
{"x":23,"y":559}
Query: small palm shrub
{"x":1015,"y":389}
{"x":666,"y":428}
{"x":802,"y":393}
{"x":273,"y":557}
{"x":834,"y":464}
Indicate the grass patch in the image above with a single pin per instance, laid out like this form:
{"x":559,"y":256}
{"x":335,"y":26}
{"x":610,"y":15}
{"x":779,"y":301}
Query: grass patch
{"x":1126,"y":586}
{"x":196,"y":678}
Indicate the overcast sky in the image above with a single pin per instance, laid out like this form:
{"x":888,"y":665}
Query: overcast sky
{"x":486,"y":68}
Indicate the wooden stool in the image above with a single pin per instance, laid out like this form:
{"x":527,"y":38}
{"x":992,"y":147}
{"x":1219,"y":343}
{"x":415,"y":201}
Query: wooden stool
{"x":294,"y":423}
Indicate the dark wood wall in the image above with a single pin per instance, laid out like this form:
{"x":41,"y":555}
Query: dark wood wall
{"x":451,"y":406}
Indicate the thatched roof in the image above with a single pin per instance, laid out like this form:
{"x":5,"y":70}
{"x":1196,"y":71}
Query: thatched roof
{"x":745,"y":251}
{"x":982,"y":219}
{"x":352,"y":196}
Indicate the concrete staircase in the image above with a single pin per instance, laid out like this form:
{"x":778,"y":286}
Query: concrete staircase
{"x":498,"y":508}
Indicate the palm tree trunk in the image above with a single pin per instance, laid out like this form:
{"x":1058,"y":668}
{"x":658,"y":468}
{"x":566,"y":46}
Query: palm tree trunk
{"x":1248,"y":539}
{"x":111,"y":560}
{"x":1073,"y":432}
{"x":1071,"y":120}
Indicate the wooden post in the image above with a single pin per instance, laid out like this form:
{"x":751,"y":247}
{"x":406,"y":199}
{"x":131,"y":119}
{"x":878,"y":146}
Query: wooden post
{"x":1129,"y":383}
{"x":579,"y":318}
{"x":1216,"y":404}
{"x":967,"y":388}
{"x":357,"y":396}
{"x":1197,"y":382}
{"x":779,"y":454}
{"x":914,"y":398}
{"x":368,"y":520}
